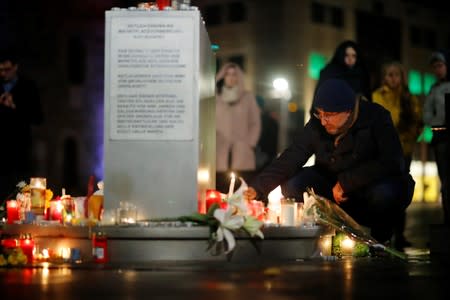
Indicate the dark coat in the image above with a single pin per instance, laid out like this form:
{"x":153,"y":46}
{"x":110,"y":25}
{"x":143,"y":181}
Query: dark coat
{"x":370,"y":151}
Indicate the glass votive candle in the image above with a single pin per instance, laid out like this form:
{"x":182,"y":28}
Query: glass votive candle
{"x":288,"y":216}
{"x":56,"y":210}
{"x":38,"y":185}
{"x":12,"y":211}
{"x":127,"y":213}
{"x":257,"y":209}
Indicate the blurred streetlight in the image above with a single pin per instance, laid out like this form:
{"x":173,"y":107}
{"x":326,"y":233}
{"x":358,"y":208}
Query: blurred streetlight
{"x":280,"y":85}
{"x":283,"y":94}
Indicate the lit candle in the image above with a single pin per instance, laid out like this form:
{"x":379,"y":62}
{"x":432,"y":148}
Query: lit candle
{"x":256,"y":209}
{"x":325,"y":245}
{"x":12,"y":211}
{"x":56,"y":209}
{"x":27,"y":245}
{"x":347,"y":245}
{"x":212,"y":196}
{"x":10,"y":243}
{"x":232,"y":183}
{"x":288,"y":213}
{"x":64,"y":253}
{"x":38,"y":186}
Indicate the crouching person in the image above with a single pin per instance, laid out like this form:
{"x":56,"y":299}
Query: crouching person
{"x":358,"y":161}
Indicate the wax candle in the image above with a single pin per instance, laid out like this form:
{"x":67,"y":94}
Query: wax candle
{"x":325,"y":245}
{"x":38,"y":186}
{"x":256,"y":209}
{"x":12,"y":211}
{"x":10,"y":243}
{"x":288,"y":214}
{"x":26,"y":243}
{"x":232,"y":183}
{"x":162,"y":4}
{"x":56,"y":210}
{"x":212,"y":196}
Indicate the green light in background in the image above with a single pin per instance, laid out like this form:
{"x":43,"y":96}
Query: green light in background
{"x":316,"y":63}
{"x":215,"y":47}
{"x":426,"y":135}
{"x":428,"y":81}
{"x":415,"y":82}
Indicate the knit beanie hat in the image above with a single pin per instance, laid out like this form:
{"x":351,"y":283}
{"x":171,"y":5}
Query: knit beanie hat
{"x":437,"y":56}
{"x":334,"y":95}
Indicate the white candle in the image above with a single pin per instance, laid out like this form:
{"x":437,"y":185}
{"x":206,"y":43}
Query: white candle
{"x":232,"y":182}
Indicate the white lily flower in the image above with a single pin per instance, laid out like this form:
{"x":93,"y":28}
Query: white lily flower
{"x":242,"y":188}
{"x":253,"y":226}
{"x":238,"y":204}
{"x":227,"y":223}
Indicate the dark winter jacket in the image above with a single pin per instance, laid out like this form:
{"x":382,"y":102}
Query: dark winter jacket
{"x":368,"y":152}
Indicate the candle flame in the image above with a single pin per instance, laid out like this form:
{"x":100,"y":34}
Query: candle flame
{"x":65,"y":253}
{"x":347,"y":243}
{"x":45,"y":253}
{"x":59,"y":206}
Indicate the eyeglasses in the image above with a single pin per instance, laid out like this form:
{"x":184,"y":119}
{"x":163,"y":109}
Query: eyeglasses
{"x":325,"y":115}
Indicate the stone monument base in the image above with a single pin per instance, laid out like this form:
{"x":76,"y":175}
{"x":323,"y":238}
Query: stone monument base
{"x":135,"y":244}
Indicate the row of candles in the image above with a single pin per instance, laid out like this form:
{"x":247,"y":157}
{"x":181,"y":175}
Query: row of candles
{"x":30,"y":249}
{"x":37,"y":204}
{"x":57,"y":211}
{"x":282,"y":211}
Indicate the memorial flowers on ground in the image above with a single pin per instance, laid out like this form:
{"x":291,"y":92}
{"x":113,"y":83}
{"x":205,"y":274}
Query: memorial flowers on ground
{"x":225,"y":223}
{"x":330,"y":214}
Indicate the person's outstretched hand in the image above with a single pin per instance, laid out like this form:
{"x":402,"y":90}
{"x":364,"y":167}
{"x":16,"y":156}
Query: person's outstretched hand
{"x":250,"y":194}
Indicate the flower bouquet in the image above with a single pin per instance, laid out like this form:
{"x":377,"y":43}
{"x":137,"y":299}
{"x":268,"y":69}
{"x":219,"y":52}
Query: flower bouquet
{"x":224,"y":221}
{"x":328,"y":213}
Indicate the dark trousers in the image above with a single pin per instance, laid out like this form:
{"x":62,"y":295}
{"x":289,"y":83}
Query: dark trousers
{"x":377,"y":206}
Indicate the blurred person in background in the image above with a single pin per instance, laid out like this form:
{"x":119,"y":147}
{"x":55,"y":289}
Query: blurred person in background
{"x":347,"y":64}
{"x":405,"y":109}
{"x":434,"y":116}
{"x":20,"y":109}
{"x":238,"y":126}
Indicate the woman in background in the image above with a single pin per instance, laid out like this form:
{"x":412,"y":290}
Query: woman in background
{"x":238,"y":125}
{"x":347,"y":64}
{"x":405,"y":109}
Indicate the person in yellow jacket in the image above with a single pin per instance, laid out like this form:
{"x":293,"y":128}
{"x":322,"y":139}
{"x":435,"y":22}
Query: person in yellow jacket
{"x":405,"y":109}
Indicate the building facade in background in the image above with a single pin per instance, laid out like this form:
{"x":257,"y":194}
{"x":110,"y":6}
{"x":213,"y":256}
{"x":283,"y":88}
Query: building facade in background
{"x":62,"y":48}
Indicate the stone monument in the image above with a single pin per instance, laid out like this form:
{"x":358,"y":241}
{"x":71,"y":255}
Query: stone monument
{"x":159,"y":128}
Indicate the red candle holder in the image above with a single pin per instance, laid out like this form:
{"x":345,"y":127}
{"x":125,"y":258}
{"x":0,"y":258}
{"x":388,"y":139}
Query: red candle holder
{"x":212,"y":196}
{"x":256,"y":209}
{"x":10,"y":243}
{"x":163,"y":3}
{"x":12,"y":211}
{"x":56,"y":210}
{"x":26,"y":243}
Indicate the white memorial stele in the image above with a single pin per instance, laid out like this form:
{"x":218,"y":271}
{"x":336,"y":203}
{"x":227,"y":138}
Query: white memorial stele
{"x":159,"y":133}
